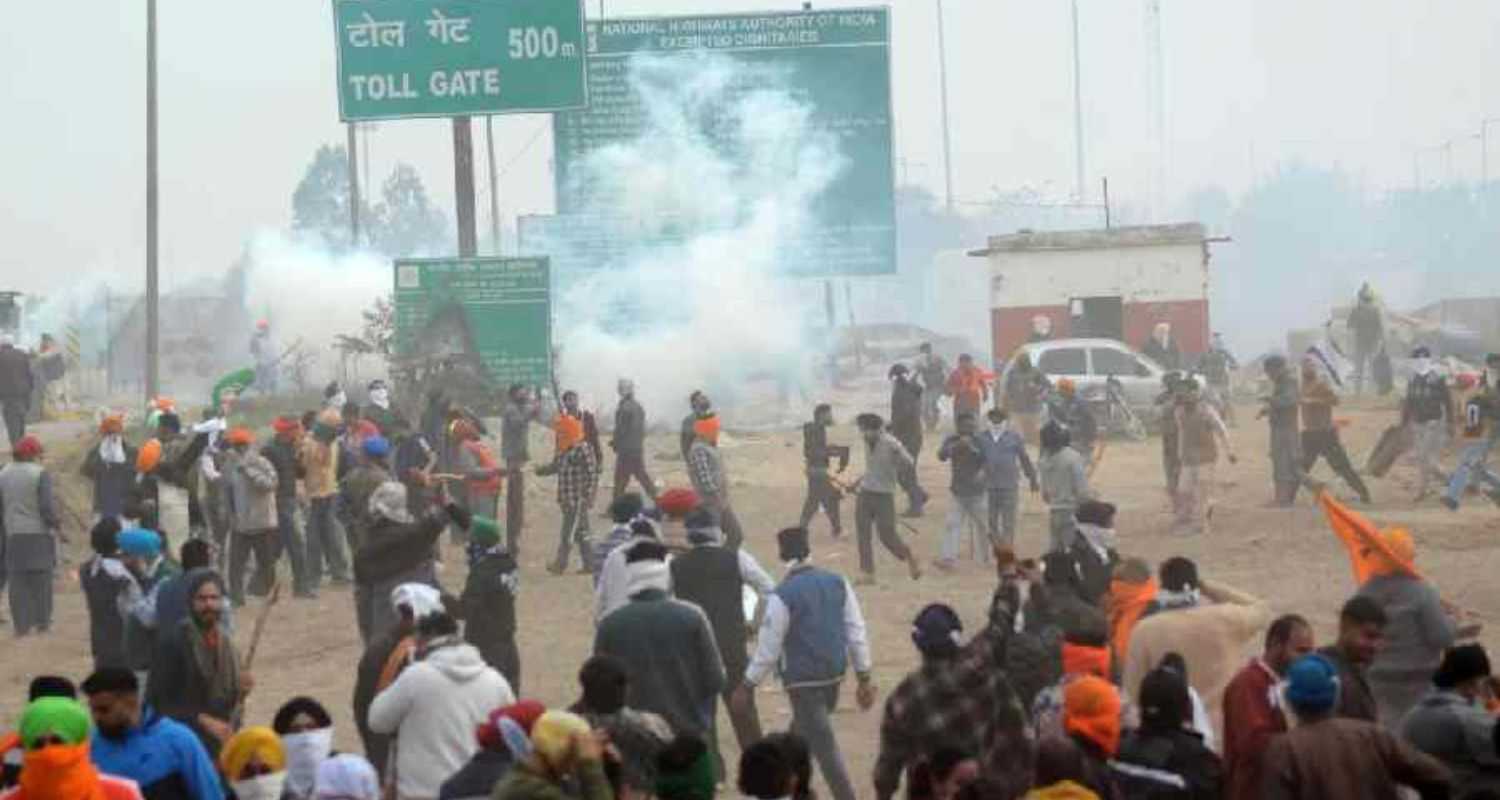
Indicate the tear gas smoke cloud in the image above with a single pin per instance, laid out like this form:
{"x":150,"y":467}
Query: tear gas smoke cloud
{"x":307,"y":292}
{"x":712,"y":310}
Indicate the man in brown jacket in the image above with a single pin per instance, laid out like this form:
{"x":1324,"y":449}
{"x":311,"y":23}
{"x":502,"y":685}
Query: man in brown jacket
{"x":1334,"y":758}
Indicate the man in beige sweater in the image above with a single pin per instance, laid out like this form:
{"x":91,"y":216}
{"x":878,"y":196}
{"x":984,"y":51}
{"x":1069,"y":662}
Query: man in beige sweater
{"x":1211,"y":636}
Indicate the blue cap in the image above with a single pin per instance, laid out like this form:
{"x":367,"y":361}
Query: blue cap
{"x":1312,"y":684}
{"x":139,"y":542}
{"x":377,"y":447}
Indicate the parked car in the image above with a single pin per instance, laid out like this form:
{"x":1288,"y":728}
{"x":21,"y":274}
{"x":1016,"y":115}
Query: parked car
{"x":1090,"y":363}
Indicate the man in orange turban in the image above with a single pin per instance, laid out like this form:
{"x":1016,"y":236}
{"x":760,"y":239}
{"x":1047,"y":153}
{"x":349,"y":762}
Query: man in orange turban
{"x":706,"y":468}
{"x":577,"y":471}
{"x":110,"y":465}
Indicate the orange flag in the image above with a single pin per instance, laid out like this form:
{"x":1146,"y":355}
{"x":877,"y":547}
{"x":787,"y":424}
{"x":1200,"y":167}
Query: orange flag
{"x":1371,"y":552}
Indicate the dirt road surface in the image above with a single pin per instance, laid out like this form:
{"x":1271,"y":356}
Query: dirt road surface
{"x":1285,"y":556}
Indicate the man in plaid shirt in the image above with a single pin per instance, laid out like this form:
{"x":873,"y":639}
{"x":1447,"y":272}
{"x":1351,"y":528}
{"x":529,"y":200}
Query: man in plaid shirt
{"x":706,"y":469}
{"x":577,"y":471}
{"x":959,"y":698}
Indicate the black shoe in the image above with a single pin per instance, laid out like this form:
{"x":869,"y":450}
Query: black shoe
{"x":1449,"y":503}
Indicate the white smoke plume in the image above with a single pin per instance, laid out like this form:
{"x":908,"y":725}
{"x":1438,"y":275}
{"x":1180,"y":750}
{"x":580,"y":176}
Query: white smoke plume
{"x":311,"y":295}
{"x":714,"y":310}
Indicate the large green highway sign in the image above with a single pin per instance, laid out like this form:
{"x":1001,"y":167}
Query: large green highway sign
{"x":444,"y":58}
{"x":493,"y":315}
{"x":836,"y":61}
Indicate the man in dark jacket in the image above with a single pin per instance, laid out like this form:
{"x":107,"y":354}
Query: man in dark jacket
{"x":282,"y":453}
{"x":906,"y":426}
{"x":489,"y":600}
{"x":666,"y":644}
{"x":195,"y":674}
{"x":629,"y":442}
{"x":515,"y":428}
{"x":399,"y":549}
{"x":1280,"y":409}
{"x":1165,"y":759}
{"x":700,"y":407}
{"x":712,"y":577}
{"x":105,"y":582}
{"x":818,"y":456}
{"x":16,"y":385}
{"x":1361,"y":636}
{"x":110,"y":465}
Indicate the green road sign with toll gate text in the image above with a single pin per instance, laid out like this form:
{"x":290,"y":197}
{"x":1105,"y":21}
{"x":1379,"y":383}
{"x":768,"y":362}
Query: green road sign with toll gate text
{"x":444,"y":58}
{"x":836,"y":61}
{"x":493,"y":314}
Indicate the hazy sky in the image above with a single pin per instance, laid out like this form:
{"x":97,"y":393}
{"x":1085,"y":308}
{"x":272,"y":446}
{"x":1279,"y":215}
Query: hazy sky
{"x":247,"y":94}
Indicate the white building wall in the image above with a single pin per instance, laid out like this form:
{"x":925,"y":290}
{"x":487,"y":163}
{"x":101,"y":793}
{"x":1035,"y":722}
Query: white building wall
{"x":1143,"y":274}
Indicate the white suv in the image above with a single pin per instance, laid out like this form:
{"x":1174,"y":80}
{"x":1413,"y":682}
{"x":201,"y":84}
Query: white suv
{"x":1090,"y":362}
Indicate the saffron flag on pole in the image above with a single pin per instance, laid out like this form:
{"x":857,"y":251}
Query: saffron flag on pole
{"x":1371,"y":551}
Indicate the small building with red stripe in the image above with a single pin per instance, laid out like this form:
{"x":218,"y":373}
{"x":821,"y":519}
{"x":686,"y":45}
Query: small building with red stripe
{"x":1115,"y":283}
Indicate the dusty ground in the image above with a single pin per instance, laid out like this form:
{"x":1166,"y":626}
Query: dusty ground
{"x":1287,"y":556}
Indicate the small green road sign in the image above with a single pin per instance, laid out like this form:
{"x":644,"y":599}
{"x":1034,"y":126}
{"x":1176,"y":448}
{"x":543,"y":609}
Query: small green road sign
{"x":445,"y":58}
{"x":492,"y":316}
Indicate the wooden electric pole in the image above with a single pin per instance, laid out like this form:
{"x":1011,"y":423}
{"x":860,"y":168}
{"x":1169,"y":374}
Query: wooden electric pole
{"x":463,"y":186}
{"x":353,"y":146}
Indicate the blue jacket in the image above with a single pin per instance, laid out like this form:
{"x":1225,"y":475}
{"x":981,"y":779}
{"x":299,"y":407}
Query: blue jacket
{"x":817,"y":644}
{"x":1002,"y":459}
{"x":163,"y":757}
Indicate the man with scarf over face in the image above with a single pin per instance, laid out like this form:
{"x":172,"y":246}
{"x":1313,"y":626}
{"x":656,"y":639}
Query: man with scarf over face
{"x":55,"y":733}
{"x":110,"y":467}
{"x":1428,"y":409}
{"x":195,"y":674}
{"x":306,"y":732}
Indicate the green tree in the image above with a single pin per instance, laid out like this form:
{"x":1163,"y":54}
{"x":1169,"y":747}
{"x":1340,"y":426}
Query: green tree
{"x":406,"y":222}
{"x":320,"y":203}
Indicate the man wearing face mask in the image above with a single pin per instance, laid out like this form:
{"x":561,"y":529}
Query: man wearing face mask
{"x":55,"y":733}
{"x":306,"y":733}
{"x":110,"y":465}
{"x":254,"y":764}
{"x":134,"y":741}
{"x":379,"y":409}
{"x":1481,"y":420}
{"x":1428,"y":409}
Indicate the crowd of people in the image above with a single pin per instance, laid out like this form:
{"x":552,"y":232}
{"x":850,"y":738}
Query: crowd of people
{"x":1093,"y":674}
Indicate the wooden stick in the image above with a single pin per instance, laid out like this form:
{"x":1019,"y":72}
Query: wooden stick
{"x":260,"y":624}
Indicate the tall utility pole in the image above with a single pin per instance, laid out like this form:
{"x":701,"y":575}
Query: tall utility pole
{"x":463,"y":186}
{"x":943,"y":93}
{"x":353,"y":147}
{"x":1078,"y":176}
{"x":1156,"y":110}
{"x":489,"y":145}
{"x":153,"y":376}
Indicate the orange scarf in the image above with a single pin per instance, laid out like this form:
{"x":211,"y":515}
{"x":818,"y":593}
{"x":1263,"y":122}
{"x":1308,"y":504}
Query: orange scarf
{"x":60,"y":772}
{"x":1127,"y":602}
{"x":395,"y":662}
{"x":1079,"y":659}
